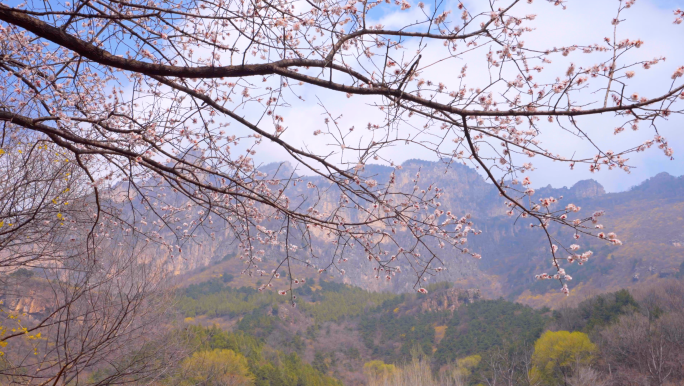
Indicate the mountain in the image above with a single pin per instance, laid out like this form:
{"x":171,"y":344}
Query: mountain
{"x":648,"y":218}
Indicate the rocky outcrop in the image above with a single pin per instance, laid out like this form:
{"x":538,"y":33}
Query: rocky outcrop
{"x":32,"y":303}
{"x":587,"y":188}
{"x":29,"y":305}
{"x":449,"y":300}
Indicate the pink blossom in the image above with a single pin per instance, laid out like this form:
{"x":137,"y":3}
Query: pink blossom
{"x":678,"y":73}
{"x":565,"y":290}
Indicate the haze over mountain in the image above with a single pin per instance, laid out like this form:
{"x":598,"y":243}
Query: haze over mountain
{"x":649,"y":219}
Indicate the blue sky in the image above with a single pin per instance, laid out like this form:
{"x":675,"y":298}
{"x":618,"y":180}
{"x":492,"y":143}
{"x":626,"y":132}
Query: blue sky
{"x":585,"y":21}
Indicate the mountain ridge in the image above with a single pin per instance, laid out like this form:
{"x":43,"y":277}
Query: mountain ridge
{"x":648,"y":218}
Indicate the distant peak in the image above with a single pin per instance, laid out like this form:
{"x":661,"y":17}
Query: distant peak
{"x":662,"y":183}
{"x":278,"y":169}
{"x":417,"y":161}
{"x":662,"y":176}
{"x":587,"y":188}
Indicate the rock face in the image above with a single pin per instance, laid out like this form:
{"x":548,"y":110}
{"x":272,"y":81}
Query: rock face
{"x":28,"y":305}
{"x":449,"y":300}
{"x":30,"y":298}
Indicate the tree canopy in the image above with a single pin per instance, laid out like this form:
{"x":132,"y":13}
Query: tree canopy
{"x":558,"y":355}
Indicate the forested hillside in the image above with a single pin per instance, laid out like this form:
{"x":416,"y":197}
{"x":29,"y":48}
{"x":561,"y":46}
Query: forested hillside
{"x":340,"y":334}
{"x":452,"y":336}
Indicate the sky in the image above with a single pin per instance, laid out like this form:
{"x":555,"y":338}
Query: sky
{"x":583,"y":22}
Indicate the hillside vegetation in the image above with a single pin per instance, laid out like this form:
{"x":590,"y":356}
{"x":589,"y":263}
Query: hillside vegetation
{"x":447,"y":337}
